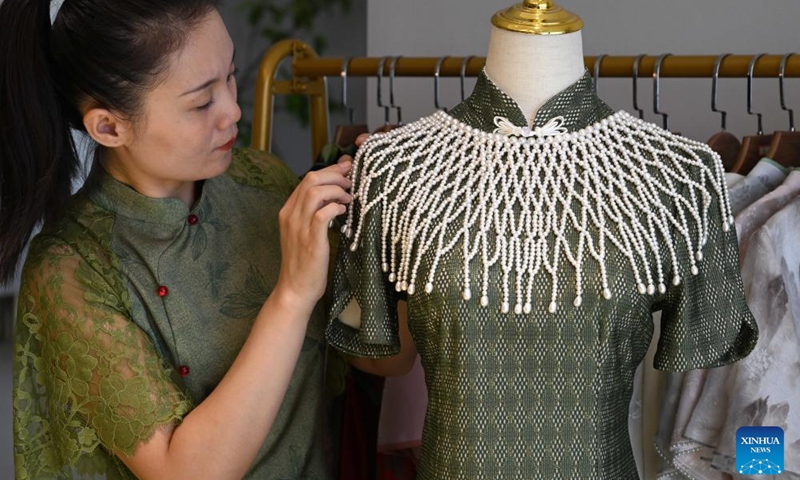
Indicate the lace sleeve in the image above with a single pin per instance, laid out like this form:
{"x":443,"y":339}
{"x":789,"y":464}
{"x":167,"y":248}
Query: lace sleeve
{"x":87,"y":380}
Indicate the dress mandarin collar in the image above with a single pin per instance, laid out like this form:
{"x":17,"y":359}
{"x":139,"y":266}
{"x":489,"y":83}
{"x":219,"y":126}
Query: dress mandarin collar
{"x":578,"y":104}
{"x":122,"y":199}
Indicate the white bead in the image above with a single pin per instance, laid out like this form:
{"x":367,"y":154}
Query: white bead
{"x":411,"y":289}
{"x":552,"y":307}
{"x":484,"y":301}
{"x":505,"y":307}
{"x":467,"y":294}
{"x":676,"y":280}
{"x":695,"y":271}
{"x":578,"y":301}
{"x":527,"y":308}
{"x":518,"y":309}
{"x":584,"y":172}
{"x":392,"y":277}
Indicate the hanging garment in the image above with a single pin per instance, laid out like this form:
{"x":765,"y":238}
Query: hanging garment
{"x":695,"y":440}
{"x":733,"y":178}
{"x":765,"y":390}
{"x":762,"y":179}
{"x":757,"y":214}
{"x":533,"y":258}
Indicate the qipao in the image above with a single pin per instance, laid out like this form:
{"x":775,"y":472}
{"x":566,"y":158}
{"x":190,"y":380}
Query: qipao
{"x":532,"y":258}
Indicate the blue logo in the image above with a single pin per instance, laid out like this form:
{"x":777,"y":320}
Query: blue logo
{"x":759,"y":450}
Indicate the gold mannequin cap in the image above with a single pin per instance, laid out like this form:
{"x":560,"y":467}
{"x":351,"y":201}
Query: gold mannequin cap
{"x":538,"y":17}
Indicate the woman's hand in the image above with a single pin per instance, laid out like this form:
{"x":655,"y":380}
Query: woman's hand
{"x":304,"y":220}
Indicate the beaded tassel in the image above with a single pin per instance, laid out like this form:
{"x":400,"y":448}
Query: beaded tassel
{"x":441,"y":186}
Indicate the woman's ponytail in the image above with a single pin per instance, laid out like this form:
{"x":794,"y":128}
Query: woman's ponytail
{"x":38,"y":159}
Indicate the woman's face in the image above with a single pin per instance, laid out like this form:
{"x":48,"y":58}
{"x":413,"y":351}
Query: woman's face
{"x":189,"y":122}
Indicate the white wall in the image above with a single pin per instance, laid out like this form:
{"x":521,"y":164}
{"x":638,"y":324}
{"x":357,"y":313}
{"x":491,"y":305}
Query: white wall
{"x":614,"y":27}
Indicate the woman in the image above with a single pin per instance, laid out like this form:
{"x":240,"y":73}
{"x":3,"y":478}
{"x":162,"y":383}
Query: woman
{"x":168,"y":320}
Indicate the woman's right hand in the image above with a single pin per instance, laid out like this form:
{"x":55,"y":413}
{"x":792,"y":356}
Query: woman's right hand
{"x":304,"y":220}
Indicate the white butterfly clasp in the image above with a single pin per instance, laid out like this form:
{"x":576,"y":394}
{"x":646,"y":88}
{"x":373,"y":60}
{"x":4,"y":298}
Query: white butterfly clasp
{"x":552,"y":128}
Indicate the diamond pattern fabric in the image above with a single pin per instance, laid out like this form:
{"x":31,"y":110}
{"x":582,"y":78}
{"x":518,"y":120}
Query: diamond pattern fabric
{"x":539,"y":395}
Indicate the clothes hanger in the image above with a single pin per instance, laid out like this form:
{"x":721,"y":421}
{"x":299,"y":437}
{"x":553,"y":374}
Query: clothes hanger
{"x":785,"y":146}
{"x":392,"y":105}
{"x":386,"y":108}
{"x":464,"y":76}
{"x":596,"y":74}
{"x":657,"y":91}
{"x":346,"y":134}
{"x":726,"y":144}
{"x":754,"y":147}
{"x":636,"y":62}
{"x":436,"y":75}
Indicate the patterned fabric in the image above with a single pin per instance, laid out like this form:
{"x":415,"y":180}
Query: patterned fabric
{"x":704,"y":397}
{"x":733,"y":178}
{"x":761,"y":180}
{"x":756,"y":215}
{"x":764,"y":390}
{"x":541,"y":395}
{"x":732,"y":396}
{"x":99,"y":345}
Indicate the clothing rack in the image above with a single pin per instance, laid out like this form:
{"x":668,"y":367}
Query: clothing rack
{"x":309,"y":72}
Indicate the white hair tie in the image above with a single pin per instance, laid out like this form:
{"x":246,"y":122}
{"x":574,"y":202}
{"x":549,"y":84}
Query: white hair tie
{"x":55,"y":6}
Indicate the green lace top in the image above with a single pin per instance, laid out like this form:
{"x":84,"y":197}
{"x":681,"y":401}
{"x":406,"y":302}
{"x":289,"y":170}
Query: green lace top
{"x":132,"y":309}
{"x":530,"y":393}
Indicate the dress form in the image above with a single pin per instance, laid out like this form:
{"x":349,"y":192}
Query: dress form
{"x":531,"y":69}
{"x":494,"y":307}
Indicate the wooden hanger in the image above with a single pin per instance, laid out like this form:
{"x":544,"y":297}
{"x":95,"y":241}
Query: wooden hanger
{"x":785,"y":149}
{"x":754,"y":147}
{"x":726,"y":144}
{"x":785,"y":146}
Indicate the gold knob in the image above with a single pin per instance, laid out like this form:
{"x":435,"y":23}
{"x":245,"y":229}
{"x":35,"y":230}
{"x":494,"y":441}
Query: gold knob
{"x":538,"y":17}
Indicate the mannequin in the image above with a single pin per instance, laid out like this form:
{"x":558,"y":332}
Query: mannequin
{"x":533,"y":231}
{"x":558,"y":64}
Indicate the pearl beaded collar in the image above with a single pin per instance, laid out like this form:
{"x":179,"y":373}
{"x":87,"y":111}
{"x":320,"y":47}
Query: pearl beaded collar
{"x":514,"y":202}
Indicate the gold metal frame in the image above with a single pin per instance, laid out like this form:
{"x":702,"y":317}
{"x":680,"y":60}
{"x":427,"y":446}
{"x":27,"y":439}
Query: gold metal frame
{"x":267,"y":87}
{"x":309,"y":72}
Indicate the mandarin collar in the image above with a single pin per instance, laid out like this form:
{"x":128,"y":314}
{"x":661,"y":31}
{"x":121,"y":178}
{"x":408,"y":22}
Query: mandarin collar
{"x":578,"y":104}
{"x":123,"y":200}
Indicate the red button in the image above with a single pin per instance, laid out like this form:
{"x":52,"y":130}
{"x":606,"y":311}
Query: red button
{"x":183,"y":370}
{"x":163,"y":291}
{"x":192,"y":219}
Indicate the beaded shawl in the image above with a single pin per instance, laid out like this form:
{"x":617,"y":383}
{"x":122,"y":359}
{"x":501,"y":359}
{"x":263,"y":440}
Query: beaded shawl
{"x":532,"y":257}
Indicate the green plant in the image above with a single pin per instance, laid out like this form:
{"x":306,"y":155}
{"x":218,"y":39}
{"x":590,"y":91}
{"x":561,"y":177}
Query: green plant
{"x":274,"y":21}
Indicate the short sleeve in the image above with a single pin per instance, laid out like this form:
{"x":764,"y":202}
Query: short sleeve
{"x":705,"y":320}
{"x":87,"y":380}
{"x":358,"y":276}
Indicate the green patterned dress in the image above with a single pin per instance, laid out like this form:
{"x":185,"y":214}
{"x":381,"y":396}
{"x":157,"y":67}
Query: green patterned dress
{"x":535,"y":392}
{"x":132,"y":309}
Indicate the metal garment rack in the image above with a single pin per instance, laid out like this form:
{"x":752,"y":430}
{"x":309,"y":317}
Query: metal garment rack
{"x":309,"y":72}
